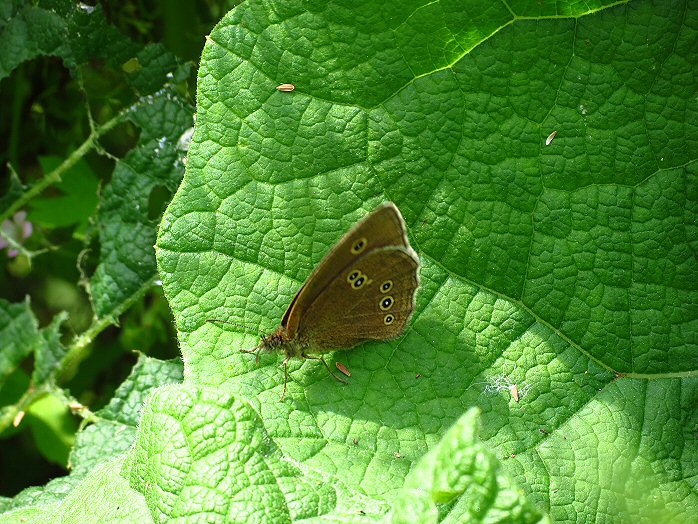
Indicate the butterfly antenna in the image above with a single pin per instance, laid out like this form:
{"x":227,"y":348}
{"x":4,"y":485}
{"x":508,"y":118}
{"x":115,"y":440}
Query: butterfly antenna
{"x":256,"y":349}
{"x":236,"y":324}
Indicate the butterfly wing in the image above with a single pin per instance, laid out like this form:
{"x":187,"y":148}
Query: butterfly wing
{"x":382,"y":227}
{"x":372,"y":298}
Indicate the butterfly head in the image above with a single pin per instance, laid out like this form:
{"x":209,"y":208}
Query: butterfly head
{"x":274,"y":341}
{"x":280,"y":341}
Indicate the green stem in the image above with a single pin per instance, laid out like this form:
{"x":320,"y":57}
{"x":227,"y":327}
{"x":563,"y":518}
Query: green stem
{"x":9,"y":413}
{"x":55,"y":176}
{"x":77,"y":352}
{"x":81,"y":347}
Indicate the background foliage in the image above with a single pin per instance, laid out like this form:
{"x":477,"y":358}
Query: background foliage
{"x":81,"y":86}
{"x":562,"y":272}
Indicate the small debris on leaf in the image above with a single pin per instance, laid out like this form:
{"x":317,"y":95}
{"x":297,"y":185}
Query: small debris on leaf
{"x":18,"y":418}
{"x":550,"y":138}
{"x":514,"y":389}
{"x":341,"y":367}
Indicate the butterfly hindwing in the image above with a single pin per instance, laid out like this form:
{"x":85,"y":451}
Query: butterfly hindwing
{"x":381,"y":228}
{"x":371,"y":299}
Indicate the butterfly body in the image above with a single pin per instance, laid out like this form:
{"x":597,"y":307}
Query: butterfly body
{"x":279,"y":341}
{"x":364,"y":289}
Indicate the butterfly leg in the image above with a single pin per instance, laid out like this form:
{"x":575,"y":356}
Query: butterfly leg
{"x":285,"y":376}
{"x":326,"y":367}
{"x":258,"y":350}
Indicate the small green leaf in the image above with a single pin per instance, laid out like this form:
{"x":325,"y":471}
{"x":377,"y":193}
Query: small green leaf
{"x":27,"y":32}
{"x":148,"y":374}
{"x":126,"y":232}
{"x":50,"y":352}
{"x":459,"y":480}
{"x":114,"y":429}
{"x":19,"y":336}
{"x":53,"y":428}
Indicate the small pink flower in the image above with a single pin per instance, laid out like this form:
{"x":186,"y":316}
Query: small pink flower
{"x":18,"y":229}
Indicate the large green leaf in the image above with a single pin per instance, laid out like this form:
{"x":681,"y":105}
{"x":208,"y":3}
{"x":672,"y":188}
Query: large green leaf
{"x":558,"y":281}
{"x":565,"y":270}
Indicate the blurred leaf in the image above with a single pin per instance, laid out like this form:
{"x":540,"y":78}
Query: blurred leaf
{"x":78,"y":199}
{"x":104,"y":496}
{"x":148,"y":326}
{"x":112,"y":433}
{"x":12,"y":192}
{"x":34,"y":500}
{"x":53,"y":427}
{"x":16,"y":385}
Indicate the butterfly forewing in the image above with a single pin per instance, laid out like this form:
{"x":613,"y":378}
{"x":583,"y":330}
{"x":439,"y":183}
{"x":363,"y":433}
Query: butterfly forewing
{"x":371,"y":299}
{"x":380,"y":228}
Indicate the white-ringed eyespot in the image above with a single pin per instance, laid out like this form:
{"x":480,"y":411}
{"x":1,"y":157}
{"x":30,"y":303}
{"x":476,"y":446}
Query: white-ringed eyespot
{"x":359,"y":245}
{"x":386,"y":303}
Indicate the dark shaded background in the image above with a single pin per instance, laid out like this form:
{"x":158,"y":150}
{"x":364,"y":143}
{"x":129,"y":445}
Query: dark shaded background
{"x":44,"y":116}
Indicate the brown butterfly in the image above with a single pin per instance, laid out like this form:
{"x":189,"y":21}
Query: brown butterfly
{"x":364,"y":289}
